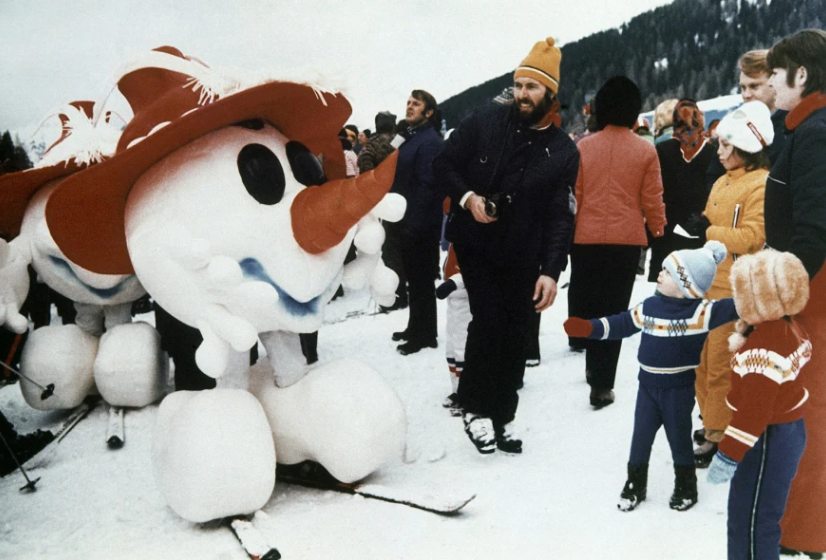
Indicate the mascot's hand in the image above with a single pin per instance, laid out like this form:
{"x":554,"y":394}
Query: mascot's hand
{"x":368,"y":270}
{"x":225,"y":305}
{"x":14,"y":284}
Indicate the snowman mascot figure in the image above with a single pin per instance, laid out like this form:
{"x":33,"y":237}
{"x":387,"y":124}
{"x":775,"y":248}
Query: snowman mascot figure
{"x":227,"y":198}
{"x":126,"y":364}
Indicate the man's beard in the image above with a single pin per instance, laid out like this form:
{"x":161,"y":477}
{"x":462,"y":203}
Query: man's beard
{"x":537,"y":114}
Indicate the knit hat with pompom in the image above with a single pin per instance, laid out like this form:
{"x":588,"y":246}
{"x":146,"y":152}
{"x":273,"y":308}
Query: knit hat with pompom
{"x":542,"y":64}
{"x":693,"y":269}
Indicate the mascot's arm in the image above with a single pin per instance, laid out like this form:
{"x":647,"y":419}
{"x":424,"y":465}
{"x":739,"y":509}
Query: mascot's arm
{"x":285,"y":356}
{"x":368,"y":270}
{"x":215,"y":291}
{"x":15,"y":257}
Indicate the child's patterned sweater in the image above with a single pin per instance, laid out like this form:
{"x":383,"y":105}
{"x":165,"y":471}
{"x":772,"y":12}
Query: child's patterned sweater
{"x":673,"y":333}
{"x":765,"y":384}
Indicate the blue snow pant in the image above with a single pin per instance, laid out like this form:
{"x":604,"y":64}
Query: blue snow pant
{"x":671,"y":408}
{"x":759,"y":489}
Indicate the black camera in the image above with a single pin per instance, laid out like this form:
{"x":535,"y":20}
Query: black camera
{"x":496,"y":204}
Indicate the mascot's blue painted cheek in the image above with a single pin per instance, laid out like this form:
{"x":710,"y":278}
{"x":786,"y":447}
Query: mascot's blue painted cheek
{"x":105,"y":293}
{"x":261,"y":173}
{"x":253,"y":270}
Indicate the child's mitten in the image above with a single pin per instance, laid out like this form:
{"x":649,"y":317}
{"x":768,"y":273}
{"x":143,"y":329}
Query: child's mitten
{"x":445,"y":289}
{"x":722,"y":469}
{"x":578,"y":328}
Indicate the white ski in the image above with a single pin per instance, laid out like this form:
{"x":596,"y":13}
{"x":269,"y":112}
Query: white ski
{"x":114,"y":430}
{"x":426,"y":497}
{"x":253,"y":540}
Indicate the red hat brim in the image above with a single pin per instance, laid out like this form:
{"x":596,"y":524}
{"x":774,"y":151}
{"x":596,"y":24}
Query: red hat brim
{"x":86,"y":212}
{"x":16,"y":189}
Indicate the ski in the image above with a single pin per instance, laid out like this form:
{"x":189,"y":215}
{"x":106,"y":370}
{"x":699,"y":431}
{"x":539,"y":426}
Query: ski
{"x":253,"y":541}
{"x":313,"y":475}
{"x":114,"y":430}
{"x":75,"y":416}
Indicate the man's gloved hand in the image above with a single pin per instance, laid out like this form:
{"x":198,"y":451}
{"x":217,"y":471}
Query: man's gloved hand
{"x":697,"y":224}
{"x":578,"y":328}
{"x":722,"y":469}
{"x":445,"y":289}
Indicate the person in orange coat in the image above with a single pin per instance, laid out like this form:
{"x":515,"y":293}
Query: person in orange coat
{"x":733,"y":216}
{"x":619,"y":189}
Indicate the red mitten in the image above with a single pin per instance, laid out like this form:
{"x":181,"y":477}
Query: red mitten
{"x":578,"y":328}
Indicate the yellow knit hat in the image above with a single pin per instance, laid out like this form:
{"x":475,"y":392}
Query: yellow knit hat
{"x":542,"y":64}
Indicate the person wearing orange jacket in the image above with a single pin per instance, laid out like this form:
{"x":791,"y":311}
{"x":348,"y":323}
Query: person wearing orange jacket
{"x":733,"y":216}
{"x":618,"y":189}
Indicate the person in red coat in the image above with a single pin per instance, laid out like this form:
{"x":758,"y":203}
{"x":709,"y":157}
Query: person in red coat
{"x":619,"y":188}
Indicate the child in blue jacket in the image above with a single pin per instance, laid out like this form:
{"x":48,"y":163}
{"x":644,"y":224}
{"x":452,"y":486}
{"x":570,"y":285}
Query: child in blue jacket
{"x":674,"y":323}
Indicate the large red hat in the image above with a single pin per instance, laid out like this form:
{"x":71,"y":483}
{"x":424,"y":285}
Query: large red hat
{"x":175,"y":100}
{"x":80,"y":144}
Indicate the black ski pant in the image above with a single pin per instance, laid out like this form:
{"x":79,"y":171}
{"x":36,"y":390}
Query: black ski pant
{"x":181,"y":341}
{"x":391,"y":254}
{"x":420,"y":259}
{"x":501,"y":302}
{"x":602,"y":279}
{"x":532,"y":341}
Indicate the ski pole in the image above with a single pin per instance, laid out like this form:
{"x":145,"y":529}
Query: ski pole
{"x":48,"y":391}
{"x":30,"y":484}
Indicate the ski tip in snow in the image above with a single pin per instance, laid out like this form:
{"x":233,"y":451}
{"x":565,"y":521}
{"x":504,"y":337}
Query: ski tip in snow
{"x":253,"y":541}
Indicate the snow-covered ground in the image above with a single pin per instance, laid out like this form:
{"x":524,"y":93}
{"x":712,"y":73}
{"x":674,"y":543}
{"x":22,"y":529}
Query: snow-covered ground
{"x":555,"y":501}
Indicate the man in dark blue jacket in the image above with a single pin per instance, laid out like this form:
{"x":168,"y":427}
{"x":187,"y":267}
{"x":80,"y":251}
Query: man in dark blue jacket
{"x":417,"y":234}
{"x":510,"y":173}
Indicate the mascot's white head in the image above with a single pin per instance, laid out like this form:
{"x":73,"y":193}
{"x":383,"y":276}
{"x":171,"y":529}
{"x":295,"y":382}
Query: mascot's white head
{"x":226,"y":195}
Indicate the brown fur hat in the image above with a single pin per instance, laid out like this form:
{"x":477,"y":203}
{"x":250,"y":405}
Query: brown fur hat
{"x":769,"y":285}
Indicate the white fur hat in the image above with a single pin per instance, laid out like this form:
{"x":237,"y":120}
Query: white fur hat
{"x":749,"y":127}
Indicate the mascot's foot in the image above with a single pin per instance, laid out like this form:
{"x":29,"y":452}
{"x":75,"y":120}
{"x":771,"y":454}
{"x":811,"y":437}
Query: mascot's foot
{"x":342,"y":414}
{"x":213,"y":454}
{"x":131,"y":369}
{"x":62,"y":356}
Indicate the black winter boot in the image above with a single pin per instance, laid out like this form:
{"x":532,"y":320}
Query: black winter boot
{"x":480,"y":431}
{"x":704,"y":454}
{"x":635,"y":487}
{"x":685,"y":488}
{"x":506,"y":440}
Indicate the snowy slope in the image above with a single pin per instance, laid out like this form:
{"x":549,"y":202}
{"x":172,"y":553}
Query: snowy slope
{"x":557,"y":500}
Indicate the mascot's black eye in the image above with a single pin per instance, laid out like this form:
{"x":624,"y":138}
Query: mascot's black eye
{"x":261,"y":173}
{"x":306,"y":168}
{"x":252,"y":124}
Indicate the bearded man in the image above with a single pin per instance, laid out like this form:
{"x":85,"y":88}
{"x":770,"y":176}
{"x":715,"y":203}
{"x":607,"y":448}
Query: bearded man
{"x":510,"y":172}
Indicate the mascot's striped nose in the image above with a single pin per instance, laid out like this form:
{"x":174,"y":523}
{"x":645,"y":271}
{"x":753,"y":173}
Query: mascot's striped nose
{"x":322,"y":216}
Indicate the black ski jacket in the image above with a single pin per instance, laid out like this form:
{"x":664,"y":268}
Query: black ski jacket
{"x":492,"y":152}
